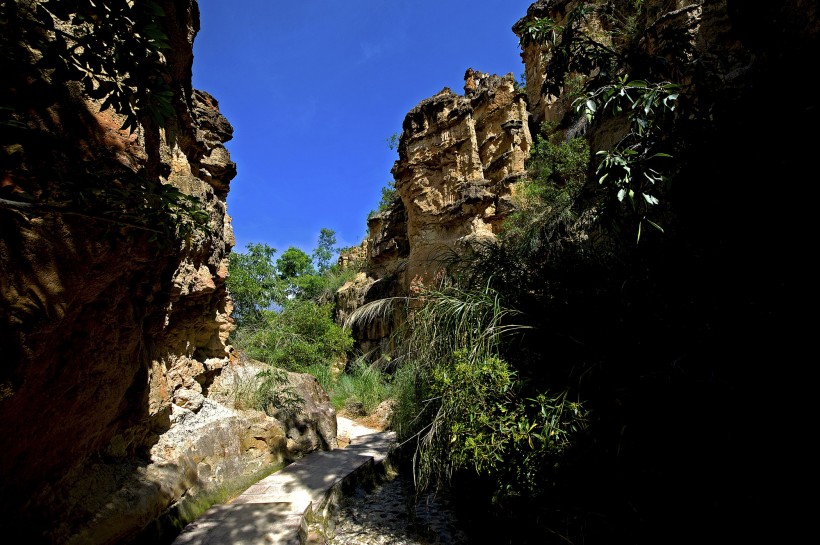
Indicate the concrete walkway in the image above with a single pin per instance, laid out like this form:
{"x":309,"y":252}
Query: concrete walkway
{"x":278,"y":509}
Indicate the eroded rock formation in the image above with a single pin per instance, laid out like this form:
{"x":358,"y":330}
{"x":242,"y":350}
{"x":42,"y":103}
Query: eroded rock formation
{"x":113,"y":330}
{"x":459,"y":157}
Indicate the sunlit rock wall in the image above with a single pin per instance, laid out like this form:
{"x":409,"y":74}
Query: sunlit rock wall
{"x":459,"y":158}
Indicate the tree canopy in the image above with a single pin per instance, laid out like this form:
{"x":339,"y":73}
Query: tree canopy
{"x":282,"y":308}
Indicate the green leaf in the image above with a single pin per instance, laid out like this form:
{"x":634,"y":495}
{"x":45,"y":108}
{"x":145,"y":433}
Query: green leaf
{"x":655,"y":225}
{"x":154,"y":9}
{"x":650,"y":199}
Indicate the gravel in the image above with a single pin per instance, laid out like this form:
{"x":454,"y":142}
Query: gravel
{"x":387,"y":514}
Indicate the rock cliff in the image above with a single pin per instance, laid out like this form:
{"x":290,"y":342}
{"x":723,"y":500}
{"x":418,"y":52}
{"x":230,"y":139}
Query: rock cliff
{"x":461,"y":155}
{"x":459,"y":159}
{"x":674,"y":339}
{"x":114,"y":313}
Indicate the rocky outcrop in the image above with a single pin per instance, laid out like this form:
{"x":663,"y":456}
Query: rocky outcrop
{"x":381,"y":259}
{"x":552,"y":107}
{"x":459,"y":157}
{"x":202,"y":451}
{"x":114,"y":315}
{"x":307,"y":421}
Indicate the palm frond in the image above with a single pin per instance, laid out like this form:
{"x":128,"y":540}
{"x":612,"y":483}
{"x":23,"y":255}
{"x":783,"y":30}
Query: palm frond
{"x":379,"y":309}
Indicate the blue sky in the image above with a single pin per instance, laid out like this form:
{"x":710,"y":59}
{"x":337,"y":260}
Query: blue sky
{"x":314,"y":89}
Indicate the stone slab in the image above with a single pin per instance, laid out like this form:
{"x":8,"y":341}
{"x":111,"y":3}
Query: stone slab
{"x":249,"y":524}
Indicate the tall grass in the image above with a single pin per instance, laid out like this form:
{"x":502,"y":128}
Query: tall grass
{"x":362,"y":382}
{"x":436,"y":324}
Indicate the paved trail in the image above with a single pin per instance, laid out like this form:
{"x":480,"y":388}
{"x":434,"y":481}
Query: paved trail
{"x":278,"y":509}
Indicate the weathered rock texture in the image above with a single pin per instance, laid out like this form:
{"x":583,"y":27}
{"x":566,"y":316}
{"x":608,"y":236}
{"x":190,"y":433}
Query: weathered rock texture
{"x":544,"y":106}
{"x":112,"y":335}
{"x":459,"y":157}
{"x":311,"y":427}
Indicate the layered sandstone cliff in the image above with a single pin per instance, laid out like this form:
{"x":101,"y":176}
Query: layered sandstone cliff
{"x":113,"y":328}
{"x":459,"y":158}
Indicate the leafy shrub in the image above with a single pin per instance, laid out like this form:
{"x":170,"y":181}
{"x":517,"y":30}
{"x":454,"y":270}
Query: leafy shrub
{"x":458,"y":401}
{"x":483,"y":424}
{"x":275,"y":394}
{"x":388,"y":197}
{"x":302,"y":334}
{"x":268,"y":390}
{"x":556,"y":173}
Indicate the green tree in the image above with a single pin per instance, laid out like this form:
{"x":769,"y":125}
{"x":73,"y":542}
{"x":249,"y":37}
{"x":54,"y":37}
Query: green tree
{"x":323,"y":254}
{"x":294,"y":263}
{"x":253,"y":283}
{"x":302,"y":334}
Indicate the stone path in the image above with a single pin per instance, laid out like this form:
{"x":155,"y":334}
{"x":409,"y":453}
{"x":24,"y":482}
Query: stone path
{"x":278,"y":509}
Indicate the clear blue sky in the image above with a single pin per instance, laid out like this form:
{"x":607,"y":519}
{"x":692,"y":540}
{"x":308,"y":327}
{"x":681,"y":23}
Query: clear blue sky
{"x":315,"y":88}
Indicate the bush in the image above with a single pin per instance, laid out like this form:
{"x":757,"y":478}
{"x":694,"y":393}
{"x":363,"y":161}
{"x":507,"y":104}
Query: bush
{"x":460,"y":403}
{"x":388,"y":197}
{"x":302,"y":334}
{"x":470,"y":415}
{"x":556,"y":173}
{"x":267,"y":390}
{"x":275,"y":394}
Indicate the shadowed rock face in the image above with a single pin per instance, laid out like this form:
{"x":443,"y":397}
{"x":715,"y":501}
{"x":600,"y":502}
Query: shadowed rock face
{"x":112,"y":335}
